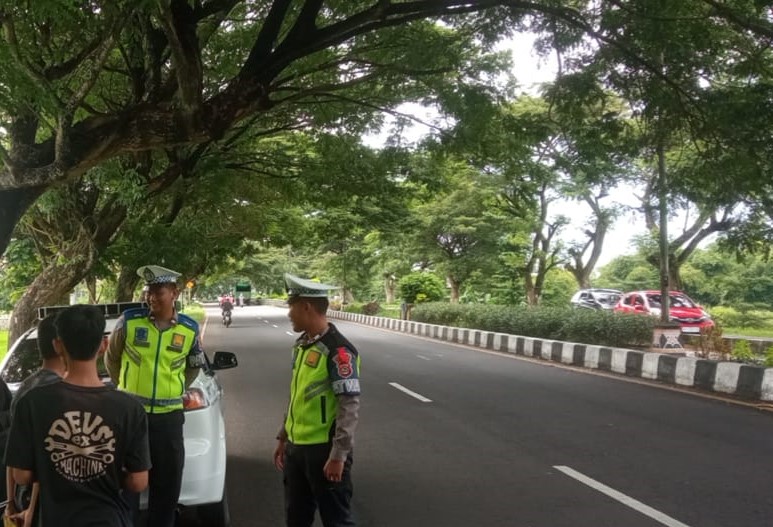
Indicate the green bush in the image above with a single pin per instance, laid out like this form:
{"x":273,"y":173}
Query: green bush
{"x":769,"y":357}
{"x":740,"y":318}
{"x":354,"y":307}
{"x":575,"y":325}
{"x":742,"y":351}
{"x":421,"y":287}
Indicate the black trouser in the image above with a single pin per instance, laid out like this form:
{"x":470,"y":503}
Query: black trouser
{"x":167,"y":455}
{"x":306,"y":488}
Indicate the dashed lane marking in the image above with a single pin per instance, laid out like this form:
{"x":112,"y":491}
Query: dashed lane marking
{"x":622,"y":498}
{"x":409,"y":392}
{"x":422,"y":357}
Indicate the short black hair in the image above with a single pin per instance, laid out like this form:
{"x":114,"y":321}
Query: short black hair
{"x":81,"y":329}
{"x":318,"y":303}
{"x":46,"y":335}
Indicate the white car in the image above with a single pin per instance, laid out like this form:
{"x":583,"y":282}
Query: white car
{"x":203,"y":485}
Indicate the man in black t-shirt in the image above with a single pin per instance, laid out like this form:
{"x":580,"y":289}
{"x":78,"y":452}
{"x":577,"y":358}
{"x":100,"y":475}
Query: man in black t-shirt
{"x":83,"y":441}
{"x":23,"y":501}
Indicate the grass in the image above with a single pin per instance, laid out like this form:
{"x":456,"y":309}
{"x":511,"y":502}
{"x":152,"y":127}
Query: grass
{"x":748,"y":332}
{"x":195,"y":311}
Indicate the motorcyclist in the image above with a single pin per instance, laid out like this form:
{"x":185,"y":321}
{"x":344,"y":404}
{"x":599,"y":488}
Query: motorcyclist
{"x":226,"y":307}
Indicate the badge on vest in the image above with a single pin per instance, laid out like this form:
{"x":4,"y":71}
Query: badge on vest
{"x":141,"y":337}
{"x":312,"y":358}
{"x":178,"y":341}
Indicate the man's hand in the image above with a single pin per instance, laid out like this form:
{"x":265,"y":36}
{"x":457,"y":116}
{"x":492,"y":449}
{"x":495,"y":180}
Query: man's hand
{"x":279,"y":455}
{"x":333,"y":470}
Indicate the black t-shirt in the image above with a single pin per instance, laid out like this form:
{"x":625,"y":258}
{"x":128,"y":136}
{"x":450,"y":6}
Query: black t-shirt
{"x":40,"y":378}
{"x":76,"y":440}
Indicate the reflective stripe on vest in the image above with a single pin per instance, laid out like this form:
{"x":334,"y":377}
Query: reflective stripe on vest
{"x":153,"y":363}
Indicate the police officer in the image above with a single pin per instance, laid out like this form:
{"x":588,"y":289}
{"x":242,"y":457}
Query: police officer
{"x":154,"y":353}
{"x":314,"y":448}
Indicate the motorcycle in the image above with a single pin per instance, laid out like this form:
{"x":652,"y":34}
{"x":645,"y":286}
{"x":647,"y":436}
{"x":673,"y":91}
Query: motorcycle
{"x":226,"y":318}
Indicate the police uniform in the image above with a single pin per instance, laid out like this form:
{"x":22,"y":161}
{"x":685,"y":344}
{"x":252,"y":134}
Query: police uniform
{"x":320,"y":422}
{"x":155,"y":361}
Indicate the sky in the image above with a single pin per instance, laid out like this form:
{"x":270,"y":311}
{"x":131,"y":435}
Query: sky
{"x":531,"y":71}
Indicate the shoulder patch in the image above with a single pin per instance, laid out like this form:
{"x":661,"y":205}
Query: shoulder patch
{"x":187,"y":321}
{"x":137,"y":312}
{"x":343,"y":362}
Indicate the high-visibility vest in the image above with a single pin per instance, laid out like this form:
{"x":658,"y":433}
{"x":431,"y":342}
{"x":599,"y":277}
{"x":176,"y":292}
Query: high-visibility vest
{"x":153,"y":362}
{"x":312,"y":410}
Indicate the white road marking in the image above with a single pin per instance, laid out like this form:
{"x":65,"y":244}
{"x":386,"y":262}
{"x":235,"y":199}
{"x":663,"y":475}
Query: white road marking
{"x":409,"y":392}
{"x":622,"y":498}
{"x":274,"y":326}
{"x":266,"y":321}
{"x":423,"y":357}
{"x":290,"y":333}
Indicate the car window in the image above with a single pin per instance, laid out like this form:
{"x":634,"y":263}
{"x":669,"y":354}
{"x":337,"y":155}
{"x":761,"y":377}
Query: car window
{"x":628,"y":301}
{"x":654,"y":300}
{"x":607,"y":298}
{"x":25,"y":360}
{"x":680,"y":301}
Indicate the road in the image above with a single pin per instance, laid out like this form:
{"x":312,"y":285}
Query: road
{"x":502,"y":441}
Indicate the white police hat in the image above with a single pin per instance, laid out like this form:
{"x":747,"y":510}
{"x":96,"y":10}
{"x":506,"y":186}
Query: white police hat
{"x":307,"y":288}
{"x":155,"y":274}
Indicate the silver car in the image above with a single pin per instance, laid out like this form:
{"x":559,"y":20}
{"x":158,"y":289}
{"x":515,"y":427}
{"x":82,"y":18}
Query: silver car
{"x":203,"y":485}
{"x":596,"y":298}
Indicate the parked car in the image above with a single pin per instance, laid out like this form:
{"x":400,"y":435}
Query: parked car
{"x":690,"y":316}
{"x":596,"y":298}
{"x":203,"y":485}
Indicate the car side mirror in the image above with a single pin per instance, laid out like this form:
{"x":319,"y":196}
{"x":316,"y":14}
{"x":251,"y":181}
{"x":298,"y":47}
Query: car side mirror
{"x":224,"y":360}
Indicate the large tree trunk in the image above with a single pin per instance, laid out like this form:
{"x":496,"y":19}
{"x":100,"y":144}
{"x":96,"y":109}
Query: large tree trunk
{"x":455,"y":285}
{"x":13,"y":204}
{"x":390,"y":288}
{"x":127,"y":283}
{"x":50,"y":286}
{"x":91,"y":286}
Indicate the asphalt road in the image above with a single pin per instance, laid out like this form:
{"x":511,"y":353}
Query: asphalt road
{"x":502,"y":441}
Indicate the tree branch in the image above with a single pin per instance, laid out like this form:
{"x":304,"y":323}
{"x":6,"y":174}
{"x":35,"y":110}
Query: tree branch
{"x":179,"y":26}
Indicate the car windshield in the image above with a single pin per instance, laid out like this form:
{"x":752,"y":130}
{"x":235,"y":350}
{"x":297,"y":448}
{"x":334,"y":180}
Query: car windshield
{"x":675,"y":300}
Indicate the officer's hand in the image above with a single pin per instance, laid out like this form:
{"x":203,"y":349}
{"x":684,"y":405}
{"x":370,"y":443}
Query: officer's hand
{"x":333,"y":470}
{"x":279,"y":455}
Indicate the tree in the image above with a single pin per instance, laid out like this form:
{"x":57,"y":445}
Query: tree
{"x":460,"y":225}
{"x":84,"y":83}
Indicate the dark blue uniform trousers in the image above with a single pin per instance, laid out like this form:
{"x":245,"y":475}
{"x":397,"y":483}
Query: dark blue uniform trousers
{"x":167,"y":454}
{"x":306,"y":488}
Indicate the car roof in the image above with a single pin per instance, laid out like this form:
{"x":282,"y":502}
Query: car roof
{"x":654,"y":292}
{"x":109,"y":327}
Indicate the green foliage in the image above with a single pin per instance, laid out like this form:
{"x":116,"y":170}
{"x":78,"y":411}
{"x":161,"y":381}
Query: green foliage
{"x":769,"y":357}
{"x":573,"y":325}
{"x":559,"y":287}
{"x":742,"y":351}
{"x":421,"y":287}
{"x":741,"y":318}
{"x":3,"y":342}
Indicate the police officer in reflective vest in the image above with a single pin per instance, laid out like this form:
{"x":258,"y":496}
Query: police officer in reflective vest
{"x":154,"y":353}
{"x":314,"y":448}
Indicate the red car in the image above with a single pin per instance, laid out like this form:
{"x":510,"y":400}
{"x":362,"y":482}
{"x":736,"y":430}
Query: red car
{"x":690,"y":315}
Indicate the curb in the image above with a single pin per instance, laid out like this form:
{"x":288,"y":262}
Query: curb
{"x":730,"y":378}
